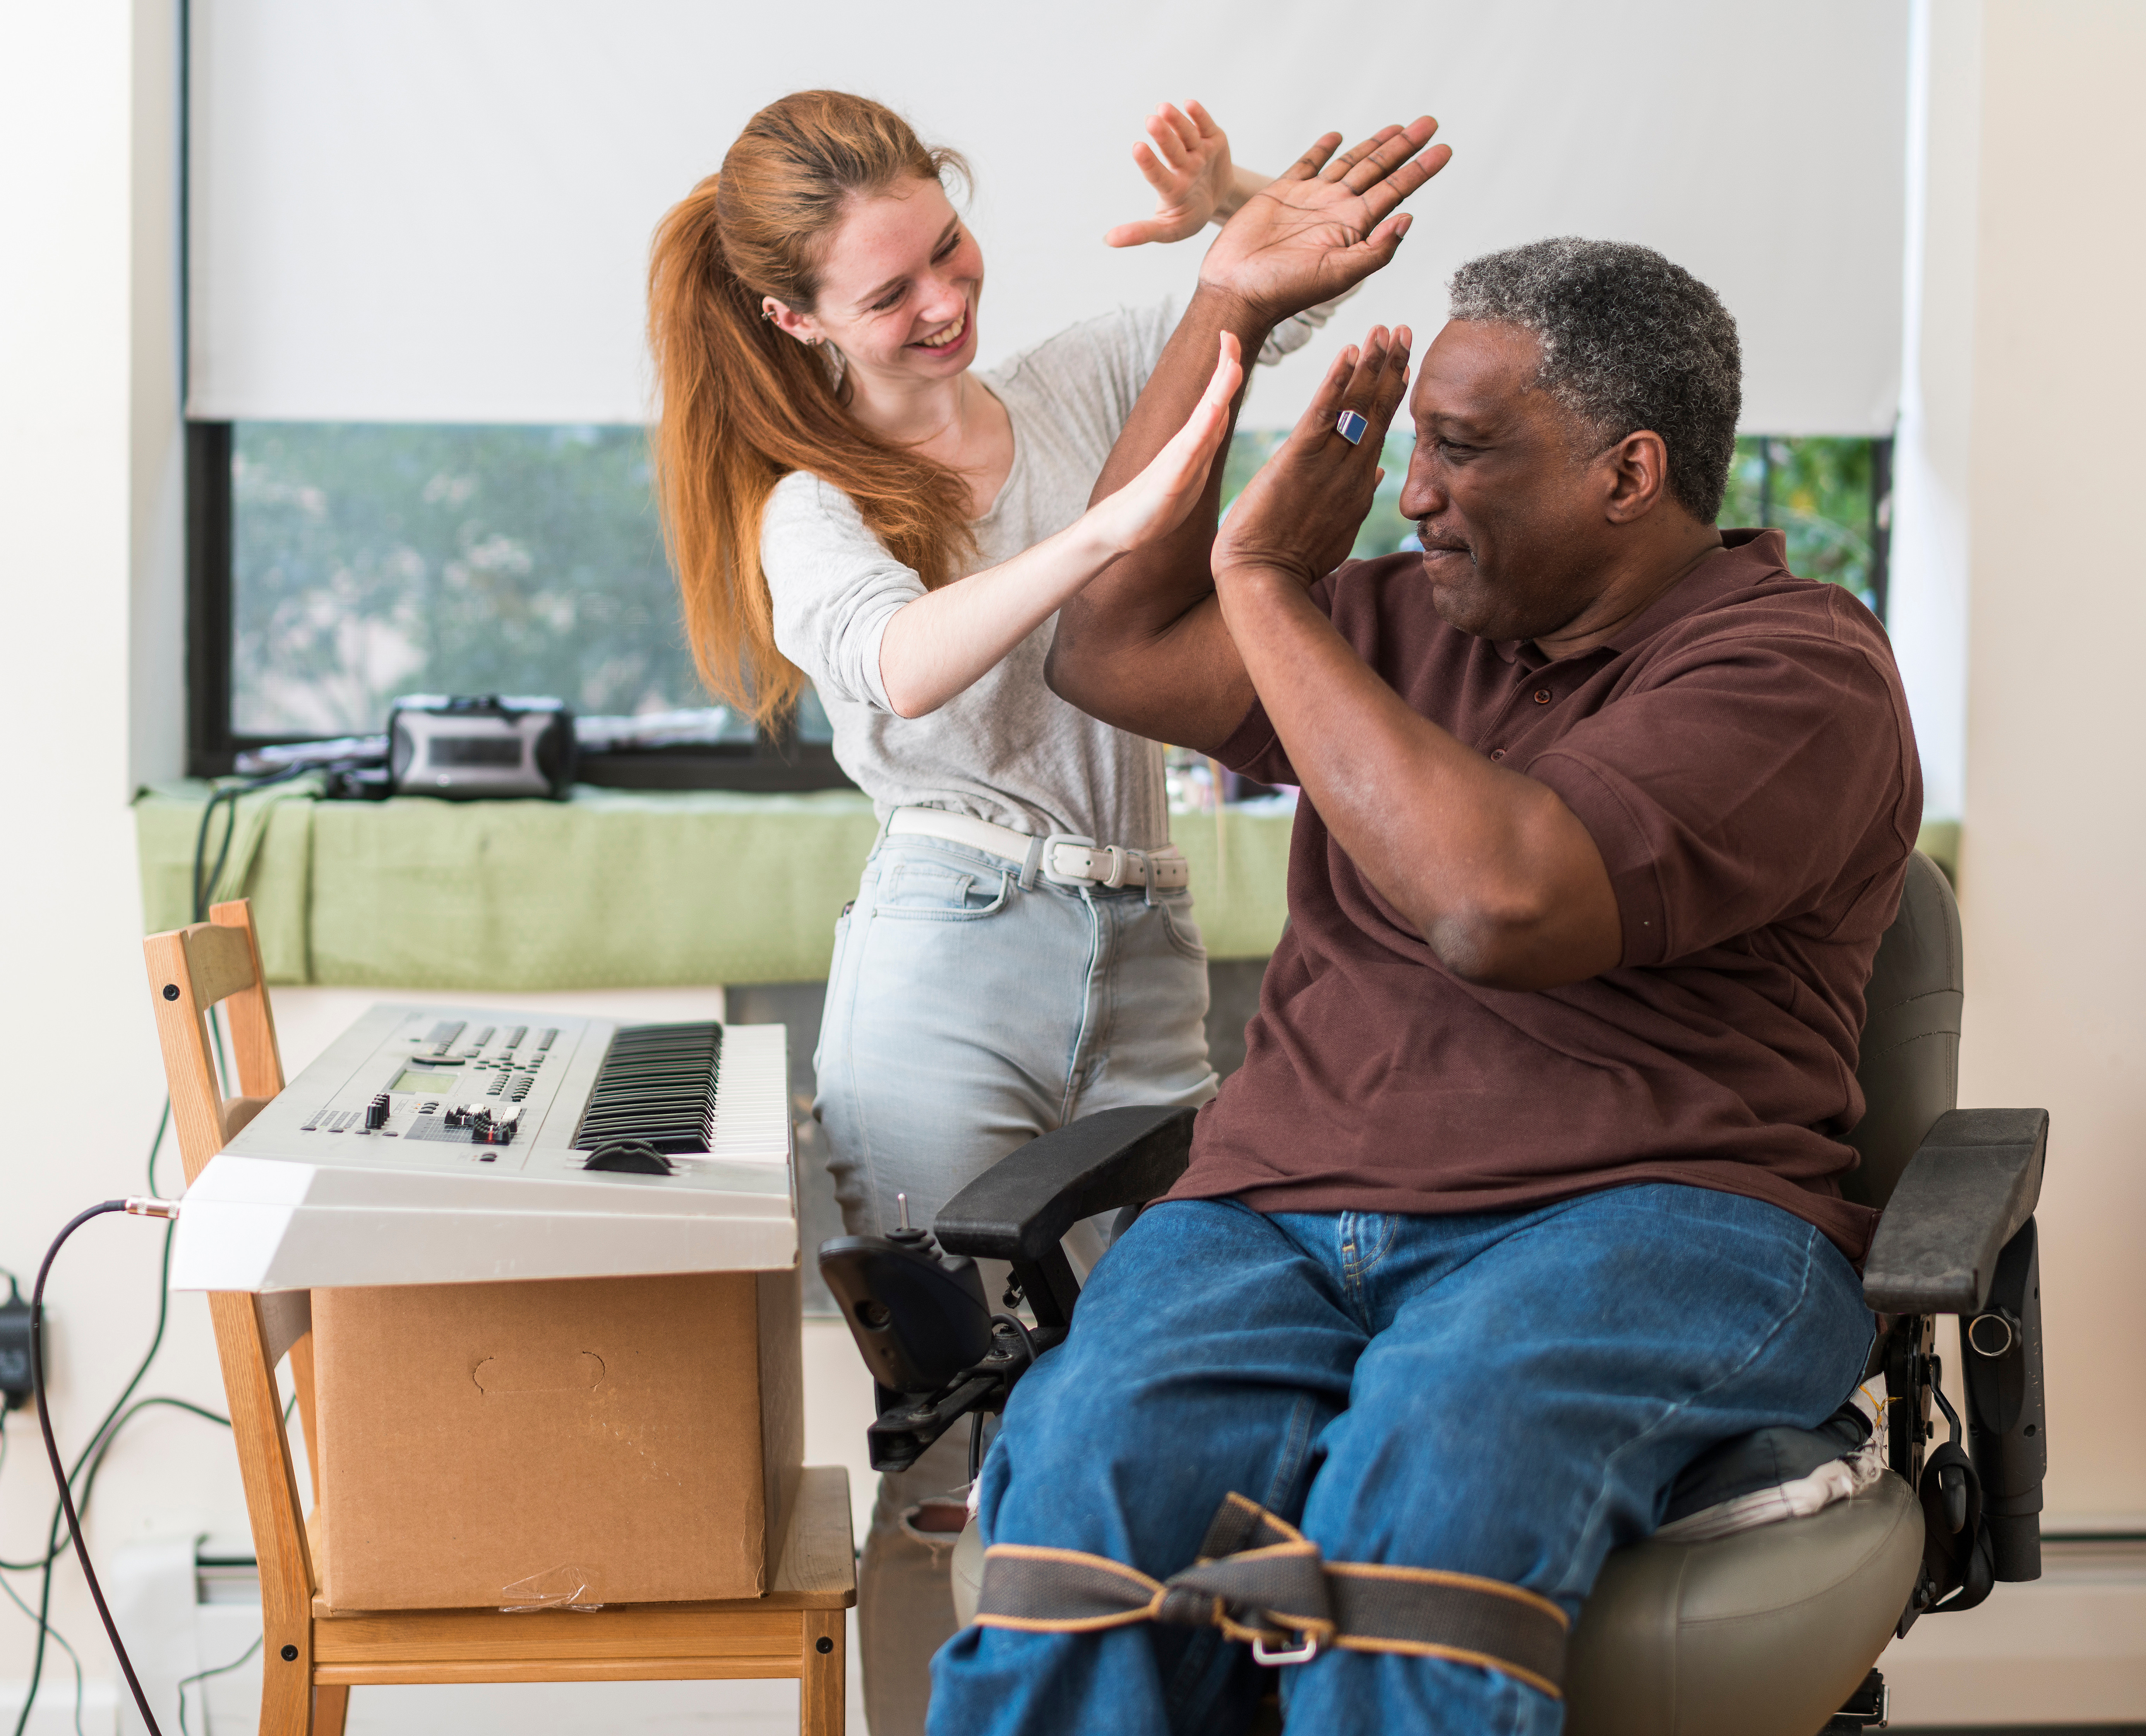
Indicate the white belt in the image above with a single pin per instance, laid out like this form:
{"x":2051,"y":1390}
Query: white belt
{"x":1065,"y":857}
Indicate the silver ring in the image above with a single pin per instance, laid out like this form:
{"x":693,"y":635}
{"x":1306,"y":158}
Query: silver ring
{"x":1350,"y":424}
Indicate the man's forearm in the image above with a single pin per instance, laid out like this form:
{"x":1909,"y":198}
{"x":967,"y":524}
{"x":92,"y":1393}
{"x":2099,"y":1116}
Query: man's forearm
{"x":1496,"y":874}
{"x":1180,"y":376}
{"x":1128,"y":648}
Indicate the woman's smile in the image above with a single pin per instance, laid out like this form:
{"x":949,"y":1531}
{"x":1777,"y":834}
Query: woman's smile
{"x":947,"y":338}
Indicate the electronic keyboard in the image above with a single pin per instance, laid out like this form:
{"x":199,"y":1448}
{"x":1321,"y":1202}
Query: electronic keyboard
{"x":432,"y":1145}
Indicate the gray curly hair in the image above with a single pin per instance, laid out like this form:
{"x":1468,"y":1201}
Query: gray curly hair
{"x":1628,"y":341}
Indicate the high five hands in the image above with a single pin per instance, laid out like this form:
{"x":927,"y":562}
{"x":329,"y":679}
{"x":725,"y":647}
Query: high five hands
{"x":1297,"y":517}
{"x":1326,"y":225}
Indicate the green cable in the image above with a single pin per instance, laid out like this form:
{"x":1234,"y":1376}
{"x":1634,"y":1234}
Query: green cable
{"x":203,"y":1675}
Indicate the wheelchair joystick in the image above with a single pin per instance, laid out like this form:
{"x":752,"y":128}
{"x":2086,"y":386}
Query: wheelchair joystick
{"x":936,"y":1351}
{"x":905,"y":1237}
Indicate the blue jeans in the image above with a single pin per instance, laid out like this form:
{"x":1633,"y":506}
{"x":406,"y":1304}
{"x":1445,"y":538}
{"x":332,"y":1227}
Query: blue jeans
{"x":966,"y":1014}
{"x":1507,"y":1395}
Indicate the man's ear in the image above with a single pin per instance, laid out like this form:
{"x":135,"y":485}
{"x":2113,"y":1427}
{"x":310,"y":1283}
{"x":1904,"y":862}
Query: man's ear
{"x":1639,"y":476}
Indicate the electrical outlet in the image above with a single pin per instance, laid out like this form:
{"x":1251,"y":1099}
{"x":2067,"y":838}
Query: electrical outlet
{"x":15,"y":1349}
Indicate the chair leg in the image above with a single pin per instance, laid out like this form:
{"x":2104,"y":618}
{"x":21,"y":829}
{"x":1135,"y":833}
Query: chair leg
{"x":287,"y":1703}
{"x":330,"y":1707}
{"x":821,"y":1686}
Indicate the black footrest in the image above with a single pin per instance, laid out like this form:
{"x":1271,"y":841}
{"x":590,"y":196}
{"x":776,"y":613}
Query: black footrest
{"x":1867,"y":1708}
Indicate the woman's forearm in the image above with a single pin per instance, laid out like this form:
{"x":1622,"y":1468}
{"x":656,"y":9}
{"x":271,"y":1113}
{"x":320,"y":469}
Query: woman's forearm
{"x":948,"y":639}
{"x":937,"y":646}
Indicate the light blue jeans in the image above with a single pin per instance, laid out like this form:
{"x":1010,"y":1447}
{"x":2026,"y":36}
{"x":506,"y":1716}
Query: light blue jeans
{"x":1509,"y":1395}
{"x":966,"y":1014}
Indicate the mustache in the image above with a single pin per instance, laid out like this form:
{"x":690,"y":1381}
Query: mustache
{"x":1431,"y":540}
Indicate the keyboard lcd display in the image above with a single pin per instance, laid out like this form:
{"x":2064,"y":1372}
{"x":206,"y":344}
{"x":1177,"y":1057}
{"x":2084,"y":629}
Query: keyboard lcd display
{"x":431,"y":1080}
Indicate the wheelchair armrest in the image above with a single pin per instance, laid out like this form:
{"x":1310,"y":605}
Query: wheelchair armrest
{"x":1967,"y":1192}
{"x":1022,"y":1207}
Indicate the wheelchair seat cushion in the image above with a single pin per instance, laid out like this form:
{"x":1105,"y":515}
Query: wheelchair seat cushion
{"x":1761,"y":1634}
{"x":1770,"y":1474}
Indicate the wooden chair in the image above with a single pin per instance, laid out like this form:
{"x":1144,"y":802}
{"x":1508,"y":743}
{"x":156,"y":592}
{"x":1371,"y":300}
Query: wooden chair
{"x":312,"y":1657}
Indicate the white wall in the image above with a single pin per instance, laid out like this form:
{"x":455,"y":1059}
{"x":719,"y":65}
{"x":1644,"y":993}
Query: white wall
{"x":2033,"y":377}
{"x":2020,"y":450}
{"x":2055,"y":834}
{"x":89,"y":702}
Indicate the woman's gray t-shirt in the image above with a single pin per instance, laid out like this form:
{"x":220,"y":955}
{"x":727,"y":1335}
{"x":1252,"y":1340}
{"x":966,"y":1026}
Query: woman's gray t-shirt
{"x":1007,"y":750}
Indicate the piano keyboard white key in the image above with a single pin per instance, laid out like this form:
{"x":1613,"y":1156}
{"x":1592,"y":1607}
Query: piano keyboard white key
{"x":752,"y":1095}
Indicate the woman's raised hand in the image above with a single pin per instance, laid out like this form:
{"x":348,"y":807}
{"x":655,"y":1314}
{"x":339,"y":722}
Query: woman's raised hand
{"x":1327,"y":224}
{"x":1188,"y":165}
{"x":1155,"y":502}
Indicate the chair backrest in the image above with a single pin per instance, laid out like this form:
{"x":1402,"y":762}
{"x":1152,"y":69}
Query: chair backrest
{"x":191,"y":971}
{"x":1909,"y":1064}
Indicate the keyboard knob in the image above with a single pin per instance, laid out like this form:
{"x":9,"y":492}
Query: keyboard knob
{"x":376,"y":1112}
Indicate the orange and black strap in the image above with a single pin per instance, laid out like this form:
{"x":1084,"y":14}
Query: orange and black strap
{"x":1259,"y":1579}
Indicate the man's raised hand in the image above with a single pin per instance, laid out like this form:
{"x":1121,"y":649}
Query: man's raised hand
{"x":1327,"y":224}
{"x":1299,"y":516}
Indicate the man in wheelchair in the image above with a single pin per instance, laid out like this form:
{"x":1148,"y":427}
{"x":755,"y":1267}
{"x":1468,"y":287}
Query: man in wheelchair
{"x":1528,"y":1192}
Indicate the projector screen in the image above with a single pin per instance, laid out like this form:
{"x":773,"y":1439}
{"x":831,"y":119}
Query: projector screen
{"x":439,"y":210}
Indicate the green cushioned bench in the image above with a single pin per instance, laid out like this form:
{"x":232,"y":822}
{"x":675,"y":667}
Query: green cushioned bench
{"x":608,"y":889}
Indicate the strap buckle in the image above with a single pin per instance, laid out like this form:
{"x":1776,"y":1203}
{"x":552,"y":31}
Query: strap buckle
{"x":1303,"y":1652}
{"x":1051,"y":844}
{"x":1261,"y":1581}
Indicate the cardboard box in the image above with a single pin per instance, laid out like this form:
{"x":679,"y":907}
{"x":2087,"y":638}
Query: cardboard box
{"x":595,"y":1440}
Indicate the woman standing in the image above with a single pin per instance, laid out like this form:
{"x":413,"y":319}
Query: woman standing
{"x":847,"y":501}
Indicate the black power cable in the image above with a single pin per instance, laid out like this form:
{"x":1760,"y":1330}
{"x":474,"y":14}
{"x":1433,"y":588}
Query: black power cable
{"x":94,"y":1457}
{"x":99,"y":1443}
{"x":146,"y":1208}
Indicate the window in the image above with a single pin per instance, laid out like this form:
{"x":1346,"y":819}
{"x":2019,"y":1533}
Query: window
{"x":1833,"y":496}
{"x":334,"y":566}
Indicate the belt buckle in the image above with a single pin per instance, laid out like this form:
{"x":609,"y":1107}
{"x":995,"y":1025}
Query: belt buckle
{"x":1303,"y":1652}
{"x":1049,"y":865}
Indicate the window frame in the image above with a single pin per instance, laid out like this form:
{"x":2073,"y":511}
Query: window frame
{"x":774,"y":761}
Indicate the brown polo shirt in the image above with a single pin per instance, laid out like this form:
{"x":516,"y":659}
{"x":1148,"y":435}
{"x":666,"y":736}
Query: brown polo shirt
{"x":1743,"y":758}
